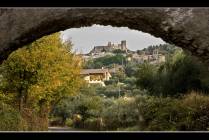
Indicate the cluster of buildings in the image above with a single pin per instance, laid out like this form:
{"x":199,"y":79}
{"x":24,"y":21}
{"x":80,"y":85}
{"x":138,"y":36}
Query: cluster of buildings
{"x":110,"y":47}
{"x":154,"y":58}
{"x":98,"y":76}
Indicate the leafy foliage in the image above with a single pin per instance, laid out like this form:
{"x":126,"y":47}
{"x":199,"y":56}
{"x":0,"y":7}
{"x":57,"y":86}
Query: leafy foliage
{"x":120,"y":114}
{"x":171,"y":114}
{"x":146,"y":74}
{"x":131,"y":69}
{"x":11,"y":119}
{"x":86,"y":104}
{"x":107,"y":60}
{"x":179,"y":74}
{"x":119,"y":51}
{"x":40,"y":74}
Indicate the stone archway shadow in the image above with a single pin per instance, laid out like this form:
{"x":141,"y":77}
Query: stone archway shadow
{"x":187,"y":28}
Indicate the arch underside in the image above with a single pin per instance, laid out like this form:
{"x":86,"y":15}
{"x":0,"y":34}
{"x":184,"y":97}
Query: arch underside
{"x":187,"y":28}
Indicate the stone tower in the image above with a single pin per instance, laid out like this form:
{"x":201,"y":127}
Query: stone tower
{"x":155,"y":54}
{"x":109,"y":44}
{"x":123,"y":45}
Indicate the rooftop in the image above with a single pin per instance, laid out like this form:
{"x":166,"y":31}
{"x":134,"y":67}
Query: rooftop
{"x":93,"y":71}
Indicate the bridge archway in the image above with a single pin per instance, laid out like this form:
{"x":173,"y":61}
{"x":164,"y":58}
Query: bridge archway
{"x":187,"y":28}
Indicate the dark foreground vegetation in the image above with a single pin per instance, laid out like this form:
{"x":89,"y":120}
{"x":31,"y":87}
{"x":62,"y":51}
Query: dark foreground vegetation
{"x":141,"y":112}
{"x":41,"y":86}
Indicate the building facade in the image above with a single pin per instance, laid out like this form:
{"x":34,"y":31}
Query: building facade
{"x":95,"y":76}
{"x":109,"y":48}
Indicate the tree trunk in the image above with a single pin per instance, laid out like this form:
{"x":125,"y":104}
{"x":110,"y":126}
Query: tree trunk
{"x":44,"y":112}
{"x":21,"y":104}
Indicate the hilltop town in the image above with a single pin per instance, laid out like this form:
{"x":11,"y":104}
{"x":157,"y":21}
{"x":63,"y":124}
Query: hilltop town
{"x":104,"y":61}
{"x":137,"y":56}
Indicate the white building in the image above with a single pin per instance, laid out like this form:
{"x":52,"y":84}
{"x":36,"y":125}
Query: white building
{"x":96,"y":76}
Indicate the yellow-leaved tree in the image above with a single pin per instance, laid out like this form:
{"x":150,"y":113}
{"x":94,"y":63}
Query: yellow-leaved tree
{"x":39,"y":75}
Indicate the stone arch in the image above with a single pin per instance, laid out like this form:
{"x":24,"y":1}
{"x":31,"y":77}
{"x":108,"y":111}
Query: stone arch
{"x":187,"y":28}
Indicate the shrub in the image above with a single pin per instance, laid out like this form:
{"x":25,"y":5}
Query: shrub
{"x":154,"y":112}
{"x":94,"y":124}
{"x":130,"y":81}
{"x":69,"y":122}
{"x":121,"y":113}
{"x":56,"y":121}
{"x":146,"y":76}
{"x":11,"y":119}
{"x":180,"y":74}
{"x":197,"y":106}
{"x":188,"y":113}
{"x":35,"y":121}
{"x":111,"y":82}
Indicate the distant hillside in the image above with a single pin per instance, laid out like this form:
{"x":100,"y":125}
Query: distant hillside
{"x":106,"y":61}
{"x":162,"y":49}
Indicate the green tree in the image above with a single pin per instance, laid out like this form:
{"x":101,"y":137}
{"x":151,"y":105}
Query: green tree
{"x":40,"y":74}
{"x":146,"y":76}
{"x":180,"y":74}
{"x":87,"y":104}
{"x":119,"y":51}
{"x":107,"y":60}
{"x":131,"y":69}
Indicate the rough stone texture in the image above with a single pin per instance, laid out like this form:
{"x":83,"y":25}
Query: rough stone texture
{"x":187,"y":28}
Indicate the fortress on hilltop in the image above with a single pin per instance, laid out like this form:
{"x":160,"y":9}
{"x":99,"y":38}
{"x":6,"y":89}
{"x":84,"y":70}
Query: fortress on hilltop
{"x":109,"y":47}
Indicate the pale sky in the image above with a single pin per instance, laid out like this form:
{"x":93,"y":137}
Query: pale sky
{"x":85,"y":38}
